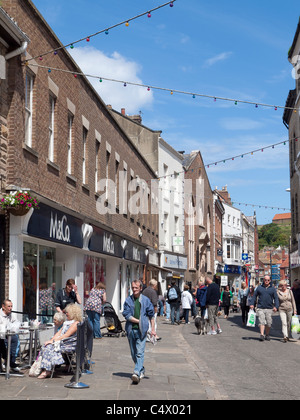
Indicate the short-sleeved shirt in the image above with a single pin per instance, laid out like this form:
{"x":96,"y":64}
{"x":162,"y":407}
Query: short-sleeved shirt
{"x":95,"y":301}
{"x":63,"y":300}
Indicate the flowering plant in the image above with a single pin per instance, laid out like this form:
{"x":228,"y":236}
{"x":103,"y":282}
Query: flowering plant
{"x":19,"y":199}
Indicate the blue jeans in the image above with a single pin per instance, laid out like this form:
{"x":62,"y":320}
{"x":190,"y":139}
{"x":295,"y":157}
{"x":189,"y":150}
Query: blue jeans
{"x":168,"y":310}
{"x":137,"y":348}
{"x":94,"y":318}
{"x":186,"y":315}
{"x":175,"y":312}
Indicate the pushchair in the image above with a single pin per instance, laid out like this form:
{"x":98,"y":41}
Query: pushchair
{"x":112,"y":322}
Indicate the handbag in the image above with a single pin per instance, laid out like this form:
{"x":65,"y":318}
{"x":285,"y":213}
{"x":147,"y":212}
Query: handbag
{"x":251,"y":319}
{"x":36,"y":369}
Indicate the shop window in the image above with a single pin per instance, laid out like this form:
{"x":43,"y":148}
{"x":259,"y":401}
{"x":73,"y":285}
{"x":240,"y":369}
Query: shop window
{"x":94,"y":272}
{"x":40,"y":282}
{"x":47,"y":283}
{"x":30,"y":281}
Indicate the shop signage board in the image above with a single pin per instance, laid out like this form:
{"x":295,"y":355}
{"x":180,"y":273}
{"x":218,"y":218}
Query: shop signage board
{"x":56,"y":226}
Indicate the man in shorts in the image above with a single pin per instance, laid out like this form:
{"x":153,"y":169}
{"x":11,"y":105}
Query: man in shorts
{"x":267,"y":304}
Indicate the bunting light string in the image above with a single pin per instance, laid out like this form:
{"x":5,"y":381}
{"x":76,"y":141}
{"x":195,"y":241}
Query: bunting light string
{"x":189,"y":195}
{"x":106,"y":31}
{"x":149,"y":87}
{"x":261,"y":206}
{"x":261,"y":149}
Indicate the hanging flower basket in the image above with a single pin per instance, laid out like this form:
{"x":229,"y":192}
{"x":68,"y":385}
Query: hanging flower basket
{"x":18,"y":210}
{"x":18,"y":203}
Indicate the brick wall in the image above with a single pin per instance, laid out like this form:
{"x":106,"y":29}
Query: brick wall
{"x":201,"y":257}
{"x":29,"y":167}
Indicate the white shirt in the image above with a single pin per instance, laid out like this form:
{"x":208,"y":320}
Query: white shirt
{"x":186,"y":300}
{"x":7,"y":320}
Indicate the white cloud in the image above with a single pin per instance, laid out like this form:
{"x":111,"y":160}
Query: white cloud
{"x":216,"y":59}
{"x":95,"y":63}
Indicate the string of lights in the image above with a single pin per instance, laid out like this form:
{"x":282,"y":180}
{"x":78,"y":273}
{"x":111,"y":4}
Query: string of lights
{"x":106,"y":31}
{"x":171,"y":91}
{"x":261,"y":206}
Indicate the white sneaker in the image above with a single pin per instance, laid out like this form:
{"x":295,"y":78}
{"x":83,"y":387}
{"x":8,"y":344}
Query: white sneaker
{"x":219,"y":331}
{"x":212,"y":332}
{"x":135,"y":378}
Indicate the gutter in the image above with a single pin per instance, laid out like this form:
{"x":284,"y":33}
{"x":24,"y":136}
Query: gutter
{"x":18,"y":51}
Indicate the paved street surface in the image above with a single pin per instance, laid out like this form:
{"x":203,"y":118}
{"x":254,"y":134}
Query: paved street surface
{"x":183,"y":366}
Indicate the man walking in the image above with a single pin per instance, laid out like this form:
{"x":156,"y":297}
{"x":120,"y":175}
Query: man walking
{"x":212,"y":305}
{"x":267,"y":304}
{"x":174,"y":299}
{"x":137,"y":311}
{"x":151,"y":293}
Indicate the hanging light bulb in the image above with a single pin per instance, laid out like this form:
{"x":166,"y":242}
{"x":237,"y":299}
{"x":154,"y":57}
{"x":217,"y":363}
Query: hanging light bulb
{"x":171,"y":4}
{"x":149,"y":15}
{"x":71,"y":46}
{"x":88,"y":39}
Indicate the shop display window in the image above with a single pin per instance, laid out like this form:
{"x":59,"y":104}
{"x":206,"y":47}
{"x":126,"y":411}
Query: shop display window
{"x":94,"y":272}
{"x":40,"y":282}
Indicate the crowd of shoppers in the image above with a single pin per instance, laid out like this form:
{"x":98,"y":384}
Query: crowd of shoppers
{"x":145,"y":303}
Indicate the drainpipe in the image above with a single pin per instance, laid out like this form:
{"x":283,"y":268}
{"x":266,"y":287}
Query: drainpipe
{"x":18,"y":51}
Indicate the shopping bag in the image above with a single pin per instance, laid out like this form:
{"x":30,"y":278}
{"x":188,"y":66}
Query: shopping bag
{"x":295,"y":325}
{"x":36,"y":369}
{"x":206,"y":314}
{"x":251,"y":318}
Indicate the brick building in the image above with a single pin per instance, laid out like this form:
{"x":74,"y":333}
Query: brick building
{"x":169,"y":261}
{"x":199,"y":225}
{"x":60,"y":141}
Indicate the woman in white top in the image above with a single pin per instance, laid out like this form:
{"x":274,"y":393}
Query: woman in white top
{"x":186,"y":302}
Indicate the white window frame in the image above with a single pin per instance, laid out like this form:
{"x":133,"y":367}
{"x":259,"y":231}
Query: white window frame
{"x":28,"y":108}
{"x":84,"y":154}
{"x":97,"y":166}
{"x":52,"y":101}
{"x":70,"y":143}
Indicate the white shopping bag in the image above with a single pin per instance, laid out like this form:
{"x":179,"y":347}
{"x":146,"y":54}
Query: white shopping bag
{"x":251,"y":319}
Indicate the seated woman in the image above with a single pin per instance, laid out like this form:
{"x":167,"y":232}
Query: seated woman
{"x":68,"y":333}
{"x":58,"y":319}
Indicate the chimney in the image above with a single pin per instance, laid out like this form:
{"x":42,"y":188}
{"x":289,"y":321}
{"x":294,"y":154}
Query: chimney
{"x":225,"y":195}
{"x":136,"y":118}
{"x":123,"y":111}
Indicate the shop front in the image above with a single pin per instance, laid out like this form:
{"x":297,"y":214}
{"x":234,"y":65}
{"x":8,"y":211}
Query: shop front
{"x":177,"y":266}
{"x":48,"y":246}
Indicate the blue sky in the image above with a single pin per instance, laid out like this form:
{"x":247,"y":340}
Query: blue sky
{"x":227,"y":49}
